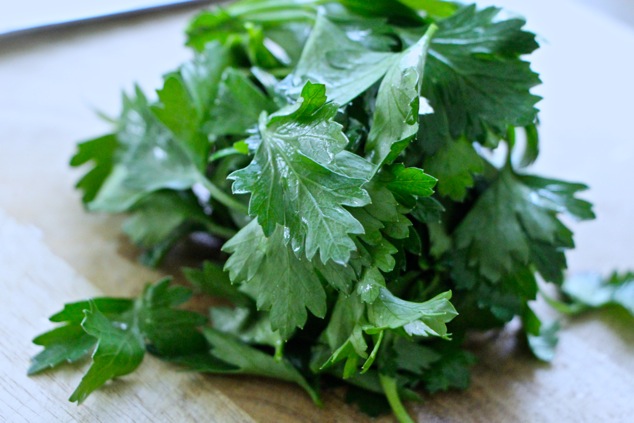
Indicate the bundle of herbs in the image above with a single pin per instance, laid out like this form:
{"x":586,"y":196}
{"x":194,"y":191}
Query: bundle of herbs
{"x":362,"y":164}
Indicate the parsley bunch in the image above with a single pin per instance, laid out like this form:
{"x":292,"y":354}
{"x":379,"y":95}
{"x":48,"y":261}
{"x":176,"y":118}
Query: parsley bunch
{"x":297,"y":137}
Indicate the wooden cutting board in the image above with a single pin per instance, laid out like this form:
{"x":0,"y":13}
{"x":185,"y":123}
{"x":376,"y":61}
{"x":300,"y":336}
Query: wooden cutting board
{"x":52,"y":252}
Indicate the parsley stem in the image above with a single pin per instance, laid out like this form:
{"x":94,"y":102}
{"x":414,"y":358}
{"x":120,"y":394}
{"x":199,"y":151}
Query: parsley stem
{"x":560,"y":306}
{"x":388,"y":384}
{"x":279,"y":350}
{"x":225,"y":152}
{"x":224,"y":198}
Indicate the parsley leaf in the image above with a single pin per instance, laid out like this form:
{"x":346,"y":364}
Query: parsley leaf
{"x":214,"y":281}
{"x":395,"y":120}
{"x":101,"y":151}
{"x":347,"y":68}
{"x":247,"y":325}
{"x":424,"y":319}
{"x":68,"y":343}
{"x":454,"y":165}
{"x":162,"y":218}
{"x":344,"y":335}
{"x":542,"y":339}
{"x":238,"y":105}
{"x":452,"y":371}
{"x":119,"y":351}
{"x":283,"y":283}
{"x":251,"y":361}
{"x":120,"y":330}
{"x":161,"y":323}
{"x":178,"y":113}
{"x":524,"y":209}
{"x":301,"y":178}
{"x":149,"y":159}
{"x":476,"y":81}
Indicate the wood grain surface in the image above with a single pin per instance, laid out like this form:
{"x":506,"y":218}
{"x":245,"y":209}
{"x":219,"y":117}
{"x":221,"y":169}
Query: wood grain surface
{"x":52,"y":252}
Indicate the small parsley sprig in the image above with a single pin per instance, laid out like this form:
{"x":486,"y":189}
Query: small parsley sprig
{"x":341,"y":154}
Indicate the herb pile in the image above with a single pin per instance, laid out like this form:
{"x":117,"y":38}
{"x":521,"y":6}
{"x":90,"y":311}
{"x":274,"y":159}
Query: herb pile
{"x":362,"y":164}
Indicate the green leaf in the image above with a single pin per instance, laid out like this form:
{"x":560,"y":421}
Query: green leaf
{"x":169,"y":332}
{"x":531,"y":150}
{"x":526,"y":229}
{"x":452,"y":371}
{"x":542,"y":339}
{"x":474,"y":78}
{"x":248,"y":248}
{"x":301,"y":178}
{"x":257,"y":51}
{"x":247,"y":325}
{"x":120,"y":329}
{"x":385,"y":212}
{"x":100,"y":151}
{"x":347,"y":312}
{"x":594,"y":291}
{"x":212,"y":25}
{"x":322,"y":116}
{"x":254,"y":362}
{"x":344,"y":335}
{"x":428,"y":210}
{"x":409,"y":181}
{"x":238,"y":105}
{"x":162,"y":218}
{"x":177,"y":111}
{"x":161,"y":146}
{"x":120,"y":350}
{"x":74,"y":312}
{"x":414,"y":357}
{"x":255,"y":25}
{"x":396,"y":114}
{"x":65,"y":344}
{"x":345,"y":67}
{"x":454,"y":165}
{"x":281,"y":282}
{"x":370,"y":285}
{"x":559,"y":196}
{"x":423,"y":319}
{"x":155,"y":218}
{"x":149,"y":159}
{"x":202,"y":76}
{"x":384,"y":221}
{"x":214,"y":281}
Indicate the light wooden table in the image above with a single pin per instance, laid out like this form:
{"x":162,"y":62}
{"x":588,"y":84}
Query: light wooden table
{"x":52,"y":252}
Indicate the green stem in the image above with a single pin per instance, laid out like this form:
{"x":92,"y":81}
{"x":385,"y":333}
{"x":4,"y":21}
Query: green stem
{"x":224,"y":198}
{"x":388,"y":384}
{"x":261,"y":12}
{"x":562,"y":307}
{"x":279,"y":350}
{"x":225,"y":152}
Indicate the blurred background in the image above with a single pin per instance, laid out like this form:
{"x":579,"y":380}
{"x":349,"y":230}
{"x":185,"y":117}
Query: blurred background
{"x":620,"y":9}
